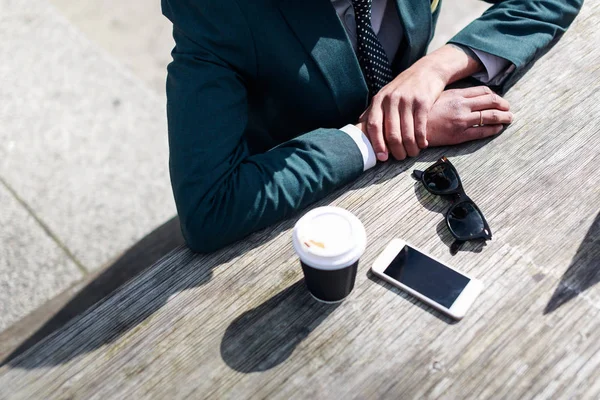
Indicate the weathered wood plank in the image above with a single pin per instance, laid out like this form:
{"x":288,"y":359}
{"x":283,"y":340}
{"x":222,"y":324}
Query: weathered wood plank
{"x":239,"y":324}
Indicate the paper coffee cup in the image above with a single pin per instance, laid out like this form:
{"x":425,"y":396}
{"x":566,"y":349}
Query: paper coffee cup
{"x":329,"y":242}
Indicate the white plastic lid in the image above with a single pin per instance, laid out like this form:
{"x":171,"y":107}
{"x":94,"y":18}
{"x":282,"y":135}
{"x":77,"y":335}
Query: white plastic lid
{"x":329,"y":238}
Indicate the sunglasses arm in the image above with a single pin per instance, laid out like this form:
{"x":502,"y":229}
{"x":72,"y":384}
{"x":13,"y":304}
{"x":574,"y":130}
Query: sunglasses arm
{"x":456,"y":245}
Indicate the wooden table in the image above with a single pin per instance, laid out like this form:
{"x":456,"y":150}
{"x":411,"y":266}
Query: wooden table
{"x":239,"y":323}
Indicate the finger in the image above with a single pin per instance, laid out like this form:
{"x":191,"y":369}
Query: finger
{"x":490,"y":117}
{"x":480,"y":132}
{"x":488,"y":101}
{"x":393,"y":134}
{"x":474,"y":91}
{"x":407,"y":127}
{"x":421,"y":126}
{"x":375,"y":131}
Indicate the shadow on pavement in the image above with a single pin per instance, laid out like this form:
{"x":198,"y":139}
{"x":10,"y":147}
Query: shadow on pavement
{"x":106,"y":309}
{"x":584,"y":271}
{"x":134,"y":261}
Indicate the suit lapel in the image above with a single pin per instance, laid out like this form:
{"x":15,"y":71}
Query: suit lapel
{"x":416,"y":23}
{"x":321,"y":33}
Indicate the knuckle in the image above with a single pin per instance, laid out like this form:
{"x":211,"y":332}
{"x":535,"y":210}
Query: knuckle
{"x":409,"y":142}
{"x":495,"y":116}
{"x":377,"y":99}
{"x":461,"y":122}
{"x":487,"y":90}
{"x":372,"y":126}
{"x":458,"y":118}
{"x":494,"y":99}
{"x":394,"y":97}
{"x":394,"y":139}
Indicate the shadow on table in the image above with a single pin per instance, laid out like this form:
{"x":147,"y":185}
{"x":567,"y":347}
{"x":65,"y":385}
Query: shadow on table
{"x":133,"y":262}
{"x":179,"y":270}
{"x":584,"y":271}
{"x":123,"y":307}
{"x":267,"y":335}
{"x":385,"y":171}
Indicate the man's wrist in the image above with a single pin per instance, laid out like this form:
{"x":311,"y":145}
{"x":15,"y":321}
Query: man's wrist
{"x":356,"y":132}
{"x":452,"y":64}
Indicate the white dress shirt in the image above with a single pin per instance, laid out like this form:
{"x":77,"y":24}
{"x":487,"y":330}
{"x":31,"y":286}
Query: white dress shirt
{"x":388,"y":28}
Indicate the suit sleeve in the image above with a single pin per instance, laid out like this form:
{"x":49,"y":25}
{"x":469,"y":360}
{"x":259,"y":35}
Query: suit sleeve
{"x":519,"y":30}
{"x":222,"y":192}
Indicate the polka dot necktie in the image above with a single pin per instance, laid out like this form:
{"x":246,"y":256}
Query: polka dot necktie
{"x":371,"y":56}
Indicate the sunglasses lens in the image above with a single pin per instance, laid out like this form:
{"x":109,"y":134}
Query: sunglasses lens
{"x":441,"y":179}
{"x":465,"y":220}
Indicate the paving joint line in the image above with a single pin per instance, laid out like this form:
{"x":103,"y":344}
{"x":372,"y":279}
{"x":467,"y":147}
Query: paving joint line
{"x":45,"y":228}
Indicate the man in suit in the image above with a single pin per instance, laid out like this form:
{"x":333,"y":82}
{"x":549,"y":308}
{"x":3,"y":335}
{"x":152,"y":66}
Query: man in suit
{"x":273,"y":104}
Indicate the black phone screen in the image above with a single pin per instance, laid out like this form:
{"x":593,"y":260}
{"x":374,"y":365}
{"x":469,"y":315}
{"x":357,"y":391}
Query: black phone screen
{"x":427,"y":276}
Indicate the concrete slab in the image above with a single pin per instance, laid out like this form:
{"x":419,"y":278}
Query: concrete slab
{"x":33,"y":268}
{"x":82,"y":141}
{"x":454,"y":16}
{"x":133,"y":31}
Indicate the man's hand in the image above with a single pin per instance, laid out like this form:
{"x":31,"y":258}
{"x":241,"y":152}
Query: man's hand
{"x":452,"y":117}
{"x":396,"y":120}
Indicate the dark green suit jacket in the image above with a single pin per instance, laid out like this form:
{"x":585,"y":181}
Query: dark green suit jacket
{"x":258,"y":89}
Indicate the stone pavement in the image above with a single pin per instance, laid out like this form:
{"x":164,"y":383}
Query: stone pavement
{"x":133,"y":31}
{"x":83,"y":157}
{"x":455,"y":15}
{"x":83,"y":150}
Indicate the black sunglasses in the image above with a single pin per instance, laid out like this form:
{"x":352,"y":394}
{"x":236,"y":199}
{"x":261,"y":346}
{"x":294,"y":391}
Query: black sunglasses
{"x":464,"y":219}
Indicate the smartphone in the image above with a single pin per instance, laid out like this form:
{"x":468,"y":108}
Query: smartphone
{"x":428,"y":279}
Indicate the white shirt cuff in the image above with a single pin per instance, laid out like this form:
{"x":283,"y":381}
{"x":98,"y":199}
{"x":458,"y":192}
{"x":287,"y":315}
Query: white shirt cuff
{"x":496,"y":68}
{"x":361,"y":140}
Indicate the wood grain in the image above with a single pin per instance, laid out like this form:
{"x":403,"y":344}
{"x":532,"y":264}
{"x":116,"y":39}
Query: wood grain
{"x":239,"y":323}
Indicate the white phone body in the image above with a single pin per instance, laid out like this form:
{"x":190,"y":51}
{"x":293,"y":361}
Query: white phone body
{"x":459,"y":307}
